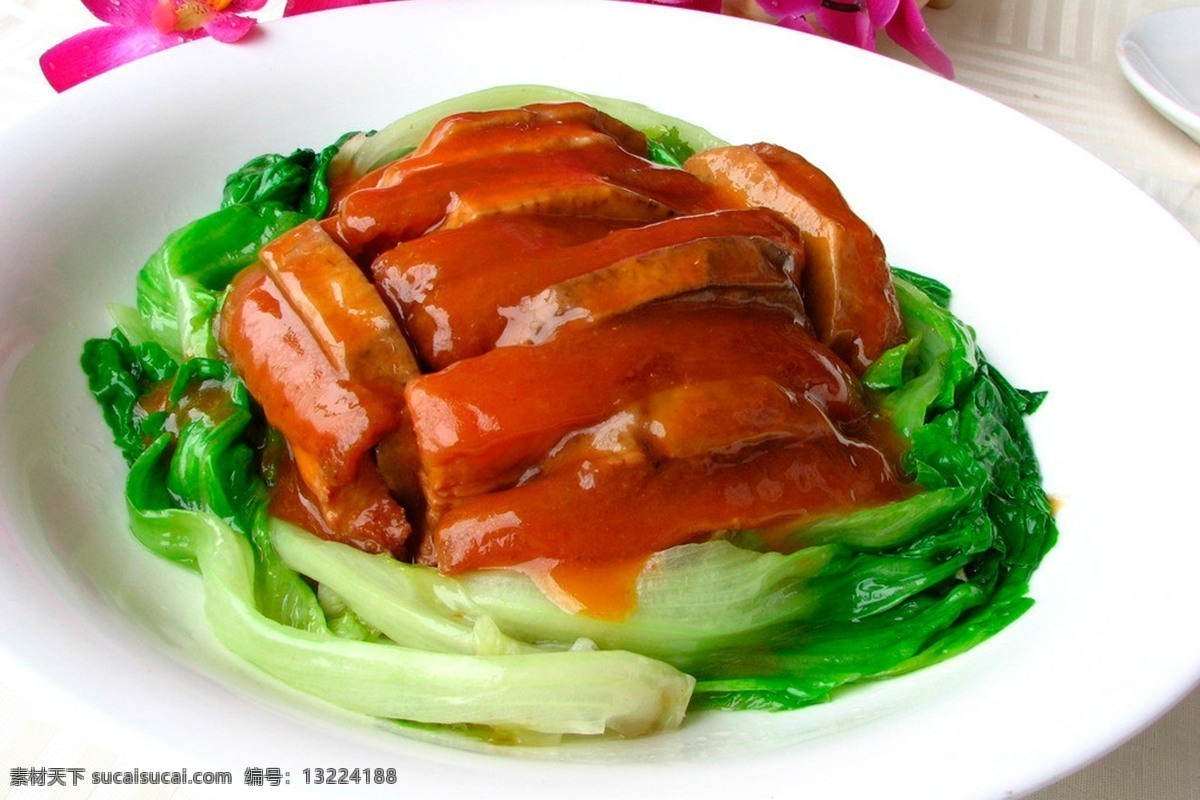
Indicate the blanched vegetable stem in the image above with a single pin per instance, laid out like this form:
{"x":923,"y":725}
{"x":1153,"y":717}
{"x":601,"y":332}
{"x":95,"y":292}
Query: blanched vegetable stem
{"x":579,"y":691}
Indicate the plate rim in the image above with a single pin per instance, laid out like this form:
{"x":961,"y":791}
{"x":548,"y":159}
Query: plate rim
{"x":48,"y":114}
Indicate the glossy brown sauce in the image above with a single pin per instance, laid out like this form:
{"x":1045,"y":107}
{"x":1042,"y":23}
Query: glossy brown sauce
{"x":608,"y":357}
{"x":606,"y":589}
{"x":207,"y":400}
{"x":457,"y":299}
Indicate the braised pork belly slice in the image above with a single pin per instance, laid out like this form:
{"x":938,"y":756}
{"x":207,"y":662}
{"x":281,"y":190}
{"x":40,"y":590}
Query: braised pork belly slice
{"x":461,"y":132}
{"x":724,"y":417}
{"x":582,"y":195}
{"x":482,"y":134}
{"x":475,"y":142}
{"x":354,"y":328}
{"x":361,"y":513}
{"x":710,"y":264}
{"x":481,"y":423}
{"x":847,"y":286}
{"x":399,"y":463}
{"x":487,"y":142}
{"x":309,"y":399}
{"x":605,"y":510}
{"x":444,"y":287}
{"x":322,"y":355}
{"x":718,"y":417}
{"x":599,"y":180}
{"x":458,"y":291}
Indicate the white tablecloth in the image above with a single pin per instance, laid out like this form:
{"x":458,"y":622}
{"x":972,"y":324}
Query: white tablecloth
{"x":1050,"y":59}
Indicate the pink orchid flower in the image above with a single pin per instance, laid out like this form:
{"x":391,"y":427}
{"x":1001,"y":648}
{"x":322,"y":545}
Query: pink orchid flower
{"x":857,"y":21}
{"x":138,"y":28}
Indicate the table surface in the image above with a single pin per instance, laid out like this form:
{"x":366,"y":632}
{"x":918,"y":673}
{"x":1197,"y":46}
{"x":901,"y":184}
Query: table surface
{"x":1053,"y":60}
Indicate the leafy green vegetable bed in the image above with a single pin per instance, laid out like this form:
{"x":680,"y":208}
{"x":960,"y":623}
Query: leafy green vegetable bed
{"x":870,"y":595}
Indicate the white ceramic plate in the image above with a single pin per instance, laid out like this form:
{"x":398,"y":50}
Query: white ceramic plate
{"x":1075,"y":281}
{"x":1160,"y":56}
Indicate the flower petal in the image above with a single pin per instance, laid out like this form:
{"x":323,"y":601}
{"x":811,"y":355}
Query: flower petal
{"x":796,"y":22}
{"x":851,"y":27}
{"x":713,"y":6}
{"x":123,"y":13}
{"x":908,"y":30}
{"x":164,"y":16}
{"x":882,"y":11}
{"x":242,"y":6}
{"x":87,"y":54}
{"x":789,"y":8}
{"x":227,"y":27}
{"x":295,"y":7}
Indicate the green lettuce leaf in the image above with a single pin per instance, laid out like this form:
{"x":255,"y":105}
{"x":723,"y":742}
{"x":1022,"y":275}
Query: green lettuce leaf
{"x":296,"y":182}
{"x":180,"y":287}
{"x":270,"y":178}
{"x":666,"y":146}
{"x":939,"y":359}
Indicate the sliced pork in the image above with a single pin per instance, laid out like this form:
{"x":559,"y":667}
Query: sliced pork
{"x":847,"y":285}
{"x":540,"y":347}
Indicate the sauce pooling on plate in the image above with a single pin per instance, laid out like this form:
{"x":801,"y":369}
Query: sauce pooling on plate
{"x":526,"y":345}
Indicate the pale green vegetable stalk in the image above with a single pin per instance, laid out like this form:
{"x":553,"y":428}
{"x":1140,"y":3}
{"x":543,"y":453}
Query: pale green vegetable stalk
{"x":564,"y":692}
{"x":693,"y":600}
